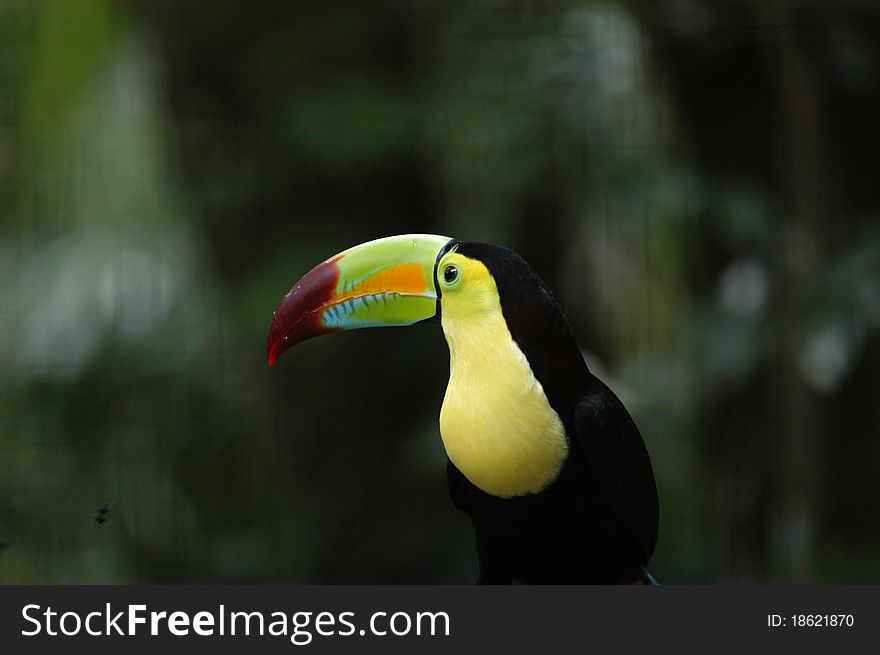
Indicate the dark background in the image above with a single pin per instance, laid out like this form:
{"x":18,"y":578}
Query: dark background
{"x":697,"y":181}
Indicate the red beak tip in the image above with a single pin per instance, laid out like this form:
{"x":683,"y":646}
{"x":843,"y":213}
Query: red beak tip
{"x":272,"y":354}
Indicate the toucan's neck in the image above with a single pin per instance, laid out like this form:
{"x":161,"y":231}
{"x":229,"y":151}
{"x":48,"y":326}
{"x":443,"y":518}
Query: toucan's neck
{"x":539,"y":326}
{"x":497,"y":425}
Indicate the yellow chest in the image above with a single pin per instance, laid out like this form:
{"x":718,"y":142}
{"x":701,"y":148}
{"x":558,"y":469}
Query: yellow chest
{"x":497,"y":426}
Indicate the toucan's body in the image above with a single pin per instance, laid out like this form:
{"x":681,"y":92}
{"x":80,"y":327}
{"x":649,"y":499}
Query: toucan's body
{"x":542,"y":455}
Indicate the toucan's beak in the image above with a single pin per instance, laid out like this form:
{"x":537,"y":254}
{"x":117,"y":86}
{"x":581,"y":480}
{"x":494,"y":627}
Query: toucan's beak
{"x":385,"y":282}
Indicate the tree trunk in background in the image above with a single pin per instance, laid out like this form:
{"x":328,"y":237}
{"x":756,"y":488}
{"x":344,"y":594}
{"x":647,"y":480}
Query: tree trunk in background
{"x":799,"y":233}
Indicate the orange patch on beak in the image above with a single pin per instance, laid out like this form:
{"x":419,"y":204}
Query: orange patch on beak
{"x":403,"y":278}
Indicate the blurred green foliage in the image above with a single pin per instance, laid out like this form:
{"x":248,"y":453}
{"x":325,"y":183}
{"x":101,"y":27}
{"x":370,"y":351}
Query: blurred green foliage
{"x":697,"y":181}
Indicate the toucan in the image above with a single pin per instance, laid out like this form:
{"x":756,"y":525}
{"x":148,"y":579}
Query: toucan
{"x":542,"y":455}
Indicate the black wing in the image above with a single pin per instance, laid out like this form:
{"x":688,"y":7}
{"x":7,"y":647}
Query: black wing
{"x":458,"y":487}
{"x":618,"y":462}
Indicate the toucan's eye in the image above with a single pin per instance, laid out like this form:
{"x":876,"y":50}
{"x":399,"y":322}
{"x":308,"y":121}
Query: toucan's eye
{"x":450,"y":273}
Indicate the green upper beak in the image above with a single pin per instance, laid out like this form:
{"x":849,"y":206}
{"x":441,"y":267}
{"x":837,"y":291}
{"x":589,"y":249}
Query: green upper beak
{"x":384,"y":282}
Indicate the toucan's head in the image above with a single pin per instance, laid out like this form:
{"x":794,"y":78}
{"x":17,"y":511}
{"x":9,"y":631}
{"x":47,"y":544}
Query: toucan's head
{"x":399,"y":280}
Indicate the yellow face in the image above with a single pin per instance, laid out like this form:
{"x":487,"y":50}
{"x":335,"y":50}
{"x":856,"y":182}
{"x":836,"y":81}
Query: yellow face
{"x":467,"y":288}
{"x":496,"y":423}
